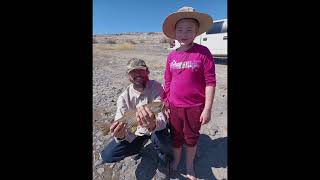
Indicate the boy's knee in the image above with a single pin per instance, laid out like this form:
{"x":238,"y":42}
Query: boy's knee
{"x":191,"y":141}
{"x":177,"y":140}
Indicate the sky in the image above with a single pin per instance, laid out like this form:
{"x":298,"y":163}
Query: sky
{"x":120,"y":16}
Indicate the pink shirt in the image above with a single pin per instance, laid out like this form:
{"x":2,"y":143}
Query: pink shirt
{"x":186,"y":76}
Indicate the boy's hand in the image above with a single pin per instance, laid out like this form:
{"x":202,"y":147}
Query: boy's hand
{"x":205,"y":116}
{"x":146,"y":118}
{"x":118,"y":130}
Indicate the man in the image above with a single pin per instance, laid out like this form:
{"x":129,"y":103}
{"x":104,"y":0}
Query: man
{"x":141,"y":91}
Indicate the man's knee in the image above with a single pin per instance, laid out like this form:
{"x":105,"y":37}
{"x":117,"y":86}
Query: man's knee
{"x":108,"y":156}
{"x":113,"y":152}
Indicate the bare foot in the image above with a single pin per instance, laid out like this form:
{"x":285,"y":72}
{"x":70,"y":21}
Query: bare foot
{"x":191,"y":174}
{"x":190,"y":177}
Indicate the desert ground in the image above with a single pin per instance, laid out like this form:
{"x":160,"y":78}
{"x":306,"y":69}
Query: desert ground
{"x":110,"y":55}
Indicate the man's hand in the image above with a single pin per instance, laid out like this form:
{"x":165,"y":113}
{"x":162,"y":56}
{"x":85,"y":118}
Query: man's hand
{"x":205,"y":116}
{"x":146,"y":118}
{"x":118,"y":130}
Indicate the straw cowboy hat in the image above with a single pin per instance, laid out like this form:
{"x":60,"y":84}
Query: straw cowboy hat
{"x":205,"y":21}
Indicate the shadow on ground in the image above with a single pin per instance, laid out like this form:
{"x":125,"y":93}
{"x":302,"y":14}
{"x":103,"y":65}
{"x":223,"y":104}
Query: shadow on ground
{"x":210,"y":154}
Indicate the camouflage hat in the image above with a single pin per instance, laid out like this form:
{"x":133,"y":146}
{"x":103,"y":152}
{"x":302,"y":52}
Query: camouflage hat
{"x":135,"y":63}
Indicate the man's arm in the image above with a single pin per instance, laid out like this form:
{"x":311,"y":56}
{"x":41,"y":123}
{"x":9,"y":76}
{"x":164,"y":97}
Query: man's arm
{"x":121,"y":109}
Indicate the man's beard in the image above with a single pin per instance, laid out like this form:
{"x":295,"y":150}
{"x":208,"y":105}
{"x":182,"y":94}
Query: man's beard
{"x":140,"y":84}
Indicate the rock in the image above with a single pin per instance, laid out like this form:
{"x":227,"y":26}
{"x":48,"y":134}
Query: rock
{"x":97,"y":162}
{"x":98,"y":143}
{"x":100,"y":170}
{"x":112,"y":165}
{"x":99,"y":133}
{"x":213,"y":132}
{"x":220,"y":173}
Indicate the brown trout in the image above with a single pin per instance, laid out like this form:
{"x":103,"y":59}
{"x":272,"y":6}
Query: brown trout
{"x":129,"y":117}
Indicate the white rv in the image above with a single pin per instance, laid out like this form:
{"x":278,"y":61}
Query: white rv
{"x":215,"y":39}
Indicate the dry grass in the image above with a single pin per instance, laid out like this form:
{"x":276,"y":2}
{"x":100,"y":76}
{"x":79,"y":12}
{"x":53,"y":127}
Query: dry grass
{"x":124,"y":46}
{"x":110,"y":41}
{"x":130,"y":41}
{"x":165,"y":40}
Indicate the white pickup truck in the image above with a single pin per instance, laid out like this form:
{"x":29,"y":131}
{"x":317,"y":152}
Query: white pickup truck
{"x":215,"y":39}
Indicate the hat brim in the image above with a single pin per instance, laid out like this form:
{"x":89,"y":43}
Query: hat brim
{"x":139,"y":67}
{"x":169,"y":24}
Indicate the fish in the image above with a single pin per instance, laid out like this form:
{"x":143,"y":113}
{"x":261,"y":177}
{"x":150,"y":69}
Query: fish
{"x":129,"y":117}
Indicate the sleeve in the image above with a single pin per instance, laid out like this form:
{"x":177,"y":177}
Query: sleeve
{"x":161,"y":121}
{"x":121,"y":109}
{"x":209,"y":69}
{"x":167,"y":82}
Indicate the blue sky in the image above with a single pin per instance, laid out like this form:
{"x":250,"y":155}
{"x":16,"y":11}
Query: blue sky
{"x":116,"y":16}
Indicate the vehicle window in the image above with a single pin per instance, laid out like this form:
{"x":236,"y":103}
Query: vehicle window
{"x":225,"y":27}
{"x":216,"y":28}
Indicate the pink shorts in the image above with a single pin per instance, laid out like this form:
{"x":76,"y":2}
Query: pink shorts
{"x":185,"y":125}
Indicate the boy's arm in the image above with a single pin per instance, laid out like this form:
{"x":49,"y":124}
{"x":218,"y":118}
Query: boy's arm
{"x":167,"y":82}
{"x":210,"y":81}
{"x":206,"y":113}
{"x":210,"y":91}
